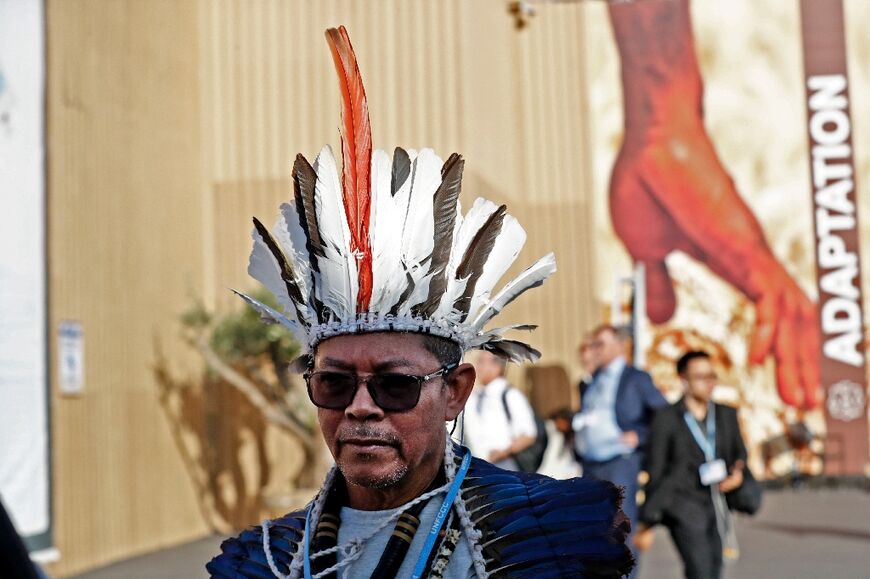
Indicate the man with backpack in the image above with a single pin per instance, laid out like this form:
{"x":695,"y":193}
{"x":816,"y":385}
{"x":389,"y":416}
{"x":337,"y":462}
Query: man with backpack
{"x":500,"y":425}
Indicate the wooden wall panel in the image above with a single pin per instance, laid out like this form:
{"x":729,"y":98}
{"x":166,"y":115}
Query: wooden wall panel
{"x":125,"y":251}
{"x":172,"y":122}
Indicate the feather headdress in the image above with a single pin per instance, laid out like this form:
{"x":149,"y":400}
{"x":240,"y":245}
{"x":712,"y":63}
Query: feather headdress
{"x":384,"y":246}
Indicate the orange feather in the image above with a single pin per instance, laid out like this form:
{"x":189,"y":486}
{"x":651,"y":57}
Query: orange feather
{"x":356,"y":156}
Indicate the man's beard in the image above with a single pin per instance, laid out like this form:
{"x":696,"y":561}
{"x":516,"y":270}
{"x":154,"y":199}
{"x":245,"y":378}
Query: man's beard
{"x":376,"y":482}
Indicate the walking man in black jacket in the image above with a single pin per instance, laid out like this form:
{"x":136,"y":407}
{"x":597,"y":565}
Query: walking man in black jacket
{"x":695,"y":458}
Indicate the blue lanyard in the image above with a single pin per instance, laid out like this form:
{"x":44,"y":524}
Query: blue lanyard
{"x":446,"y":505}
{"x":708,"y":445}
{"x":306,"y":546}
{"x":419,"y":568}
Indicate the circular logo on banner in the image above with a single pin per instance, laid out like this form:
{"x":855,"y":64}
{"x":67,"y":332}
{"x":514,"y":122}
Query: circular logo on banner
{"x":846,"y":400}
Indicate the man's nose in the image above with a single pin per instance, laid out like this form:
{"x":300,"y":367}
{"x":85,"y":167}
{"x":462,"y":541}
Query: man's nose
{"x":363,"y":406}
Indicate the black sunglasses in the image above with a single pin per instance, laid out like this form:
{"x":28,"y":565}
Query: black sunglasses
{"x":391,"y":392}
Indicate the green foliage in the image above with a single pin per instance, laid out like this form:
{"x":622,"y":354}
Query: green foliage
{"x":197,"y":317}
{"x":243,"y":351}
{"x":243,"y":334}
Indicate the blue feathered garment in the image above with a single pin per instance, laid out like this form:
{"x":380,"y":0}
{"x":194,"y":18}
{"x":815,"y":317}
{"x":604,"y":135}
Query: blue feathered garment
{"x":532,"y":527}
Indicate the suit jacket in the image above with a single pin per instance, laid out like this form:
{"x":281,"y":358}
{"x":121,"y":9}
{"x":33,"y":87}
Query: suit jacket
{"x":637,"y":399}
{"x":673,"y":458}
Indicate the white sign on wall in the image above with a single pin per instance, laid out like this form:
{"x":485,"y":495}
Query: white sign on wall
{"x":71,"y":357}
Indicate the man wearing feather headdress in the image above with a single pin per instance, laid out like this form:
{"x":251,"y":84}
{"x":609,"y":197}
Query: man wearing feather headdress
{"x":385,"y":281}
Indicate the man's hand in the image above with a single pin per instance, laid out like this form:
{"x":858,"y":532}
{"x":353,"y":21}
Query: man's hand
{"x":519,"y":444}
{"x":498,"y":455}
{"x":733,"y":480}
{"x":630,"y":439}
{"x":644,"y":537}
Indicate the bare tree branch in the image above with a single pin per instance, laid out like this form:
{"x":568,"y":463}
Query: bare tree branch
{"x":253,"y":394}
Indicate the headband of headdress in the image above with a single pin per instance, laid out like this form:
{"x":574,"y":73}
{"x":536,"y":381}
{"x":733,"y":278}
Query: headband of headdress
{"x":384,"y":246}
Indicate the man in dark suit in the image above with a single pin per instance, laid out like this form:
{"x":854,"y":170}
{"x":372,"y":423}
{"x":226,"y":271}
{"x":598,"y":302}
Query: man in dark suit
{"x":615,"y":414}
{"x":696,"y":457}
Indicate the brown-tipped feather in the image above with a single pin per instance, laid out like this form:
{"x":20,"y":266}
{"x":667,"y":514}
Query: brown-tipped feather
{"x":284,"y":266}
{"x":304,"y":184}
{"x":513,"y":350}
{"x":444,"y":211}
{"x":475,"y":257}
{"x":356,"y":156}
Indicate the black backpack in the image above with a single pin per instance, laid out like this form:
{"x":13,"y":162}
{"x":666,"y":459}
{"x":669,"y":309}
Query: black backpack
{"x":529,"y":459}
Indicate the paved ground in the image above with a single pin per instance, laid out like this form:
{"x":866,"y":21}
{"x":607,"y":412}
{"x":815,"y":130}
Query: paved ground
{"x":810,"y":534}
{"x":184,"y":562}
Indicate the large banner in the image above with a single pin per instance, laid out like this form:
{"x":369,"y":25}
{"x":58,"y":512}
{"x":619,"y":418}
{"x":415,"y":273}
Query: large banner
{"x":832,"y":170}
{"x":24,"y":440}
{"x":699,"y":122}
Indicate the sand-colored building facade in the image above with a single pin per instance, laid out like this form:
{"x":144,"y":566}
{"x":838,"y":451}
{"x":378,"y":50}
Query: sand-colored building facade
{"x":169,"y":123}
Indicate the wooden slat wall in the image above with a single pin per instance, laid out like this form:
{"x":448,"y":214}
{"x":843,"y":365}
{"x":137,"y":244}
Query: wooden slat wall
{"x":125,"y":251}
{"x":171,"y":123}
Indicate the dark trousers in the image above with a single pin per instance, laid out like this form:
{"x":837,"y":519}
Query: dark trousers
{"x":697,"y":540}
{"x":621,"y":471}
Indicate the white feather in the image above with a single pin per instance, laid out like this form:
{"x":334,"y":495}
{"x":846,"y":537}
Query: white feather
{"x":290,"y":235}
{"x":385,"y":232}
{"x":393,"y":211}
{"x":418,"y":227}
{"x":418,"y":231}
{"x":263,"y":267}
{"x":507,"y":247}
{"x":457,"y":224}
{"x":338,"y":283}
{"x":455,"y":288}
{"x":533,"y":276}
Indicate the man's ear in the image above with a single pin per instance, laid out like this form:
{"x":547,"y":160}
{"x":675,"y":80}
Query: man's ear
{"x":459,"y":385}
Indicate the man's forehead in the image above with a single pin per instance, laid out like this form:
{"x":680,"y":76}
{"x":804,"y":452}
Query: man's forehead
{"x":381,"y":350}
{"x":699,"y":363}
{"x":605,"y":334}
{"x":373,"y":362}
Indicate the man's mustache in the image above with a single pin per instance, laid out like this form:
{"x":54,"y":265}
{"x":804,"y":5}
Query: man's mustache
{"x":367,"y":433}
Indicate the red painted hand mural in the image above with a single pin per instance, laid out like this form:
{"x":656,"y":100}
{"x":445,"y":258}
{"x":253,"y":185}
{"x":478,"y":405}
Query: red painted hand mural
{"x":669,"y":191}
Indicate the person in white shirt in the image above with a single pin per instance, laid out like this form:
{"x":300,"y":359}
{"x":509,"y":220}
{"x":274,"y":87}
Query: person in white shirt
{"x":489,"y":432}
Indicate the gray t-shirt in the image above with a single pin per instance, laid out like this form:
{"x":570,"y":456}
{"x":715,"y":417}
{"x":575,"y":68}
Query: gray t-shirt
{"x":355,"y":523}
